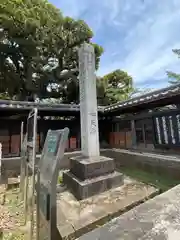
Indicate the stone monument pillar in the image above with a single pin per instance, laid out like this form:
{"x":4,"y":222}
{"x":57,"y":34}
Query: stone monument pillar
{"x":88,"y":102}
{"x":90,"y":173}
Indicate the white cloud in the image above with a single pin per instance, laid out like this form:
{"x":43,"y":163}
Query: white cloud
{"x":148,"y":45}
{"x":72,"y":8}
{"x":137,"y":37}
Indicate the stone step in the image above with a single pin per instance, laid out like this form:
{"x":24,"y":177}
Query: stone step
{"x":89,"y":187}
{"x":85,"y":168}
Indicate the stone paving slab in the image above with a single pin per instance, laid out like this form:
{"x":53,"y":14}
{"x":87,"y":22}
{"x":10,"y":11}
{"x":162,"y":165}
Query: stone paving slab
{"x":75,"y":218}
{"x":156,"y":219}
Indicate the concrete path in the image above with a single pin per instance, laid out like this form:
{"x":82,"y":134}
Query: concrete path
{"x":156,"y":219}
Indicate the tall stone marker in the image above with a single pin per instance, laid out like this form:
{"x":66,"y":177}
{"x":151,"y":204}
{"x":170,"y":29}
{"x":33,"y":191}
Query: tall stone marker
{"x":88,"y":102}
{"x":90,"y":173}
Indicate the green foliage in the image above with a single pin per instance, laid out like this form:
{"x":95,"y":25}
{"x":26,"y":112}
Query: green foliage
{"x":174,"y":77}
{"x":115,"y":86}
{"x":5,"y":96}
{"x":40,"y":44}
{"x":38,"y":55}
{"x":98,"y":52}
{"x":13,"y":236}
{"x":60,"y":179}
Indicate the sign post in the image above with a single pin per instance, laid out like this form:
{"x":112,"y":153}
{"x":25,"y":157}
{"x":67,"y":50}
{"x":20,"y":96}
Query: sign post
{"x":30,"y":166}
{"x":47,"y":176}
{"x":23,"y":166}
{"x":23,"y":150}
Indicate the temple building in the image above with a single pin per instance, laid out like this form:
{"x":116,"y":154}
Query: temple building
{"x":148,"y":122}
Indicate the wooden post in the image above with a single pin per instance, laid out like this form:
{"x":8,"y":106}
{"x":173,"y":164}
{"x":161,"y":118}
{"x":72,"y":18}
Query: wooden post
{"x":133,"y":131}
{"x":22,"y":136}
{"x":0,"y":161}
{"x":144,"y":135}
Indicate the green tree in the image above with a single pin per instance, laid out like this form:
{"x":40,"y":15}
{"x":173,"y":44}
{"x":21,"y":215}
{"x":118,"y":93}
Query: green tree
{"x":117,"y":86}
{"x":174,"y":77}
{"x":114,"y":87}
{"x":38,"y":50}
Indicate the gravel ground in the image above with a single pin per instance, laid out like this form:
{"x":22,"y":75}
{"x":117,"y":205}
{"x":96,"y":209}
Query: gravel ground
{"x":11,"y":215}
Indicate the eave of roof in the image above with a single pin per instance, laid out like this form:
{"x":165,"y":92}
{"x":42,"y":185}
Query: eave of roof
{"x":43,"y":108}
{"x":151,"y":97}
{"x":6,"y":104}
{"x":167,"y":94}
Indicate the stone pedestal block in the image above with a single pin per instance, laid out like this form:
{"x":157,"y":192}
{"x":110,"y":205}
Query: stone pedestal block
{"x":91,"y":176}
{"x":85,"y":168}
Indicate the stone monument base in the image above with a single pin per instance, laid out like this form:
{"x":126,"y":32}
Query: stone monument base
{"x":91,"y":176}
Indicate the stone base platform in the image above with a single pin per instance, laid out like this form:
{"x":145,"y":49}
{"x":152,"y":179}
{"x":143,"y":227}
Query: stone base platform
{"x":75,"y":218}
{"x":91,"y":176}
{"x":90,"y":187}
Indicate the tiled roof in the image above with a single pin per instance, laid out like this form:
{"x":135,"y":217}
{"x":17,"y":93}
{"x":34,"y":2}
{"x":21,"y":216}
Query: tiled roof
{"x":146,"y":98}
{"x":8,"y":104}
{"x":154,"y":96}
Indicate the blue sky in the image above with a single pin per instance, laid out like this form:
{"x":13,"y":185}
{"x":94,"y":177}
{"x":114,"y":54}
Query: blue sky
{"x":137,"y":35}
